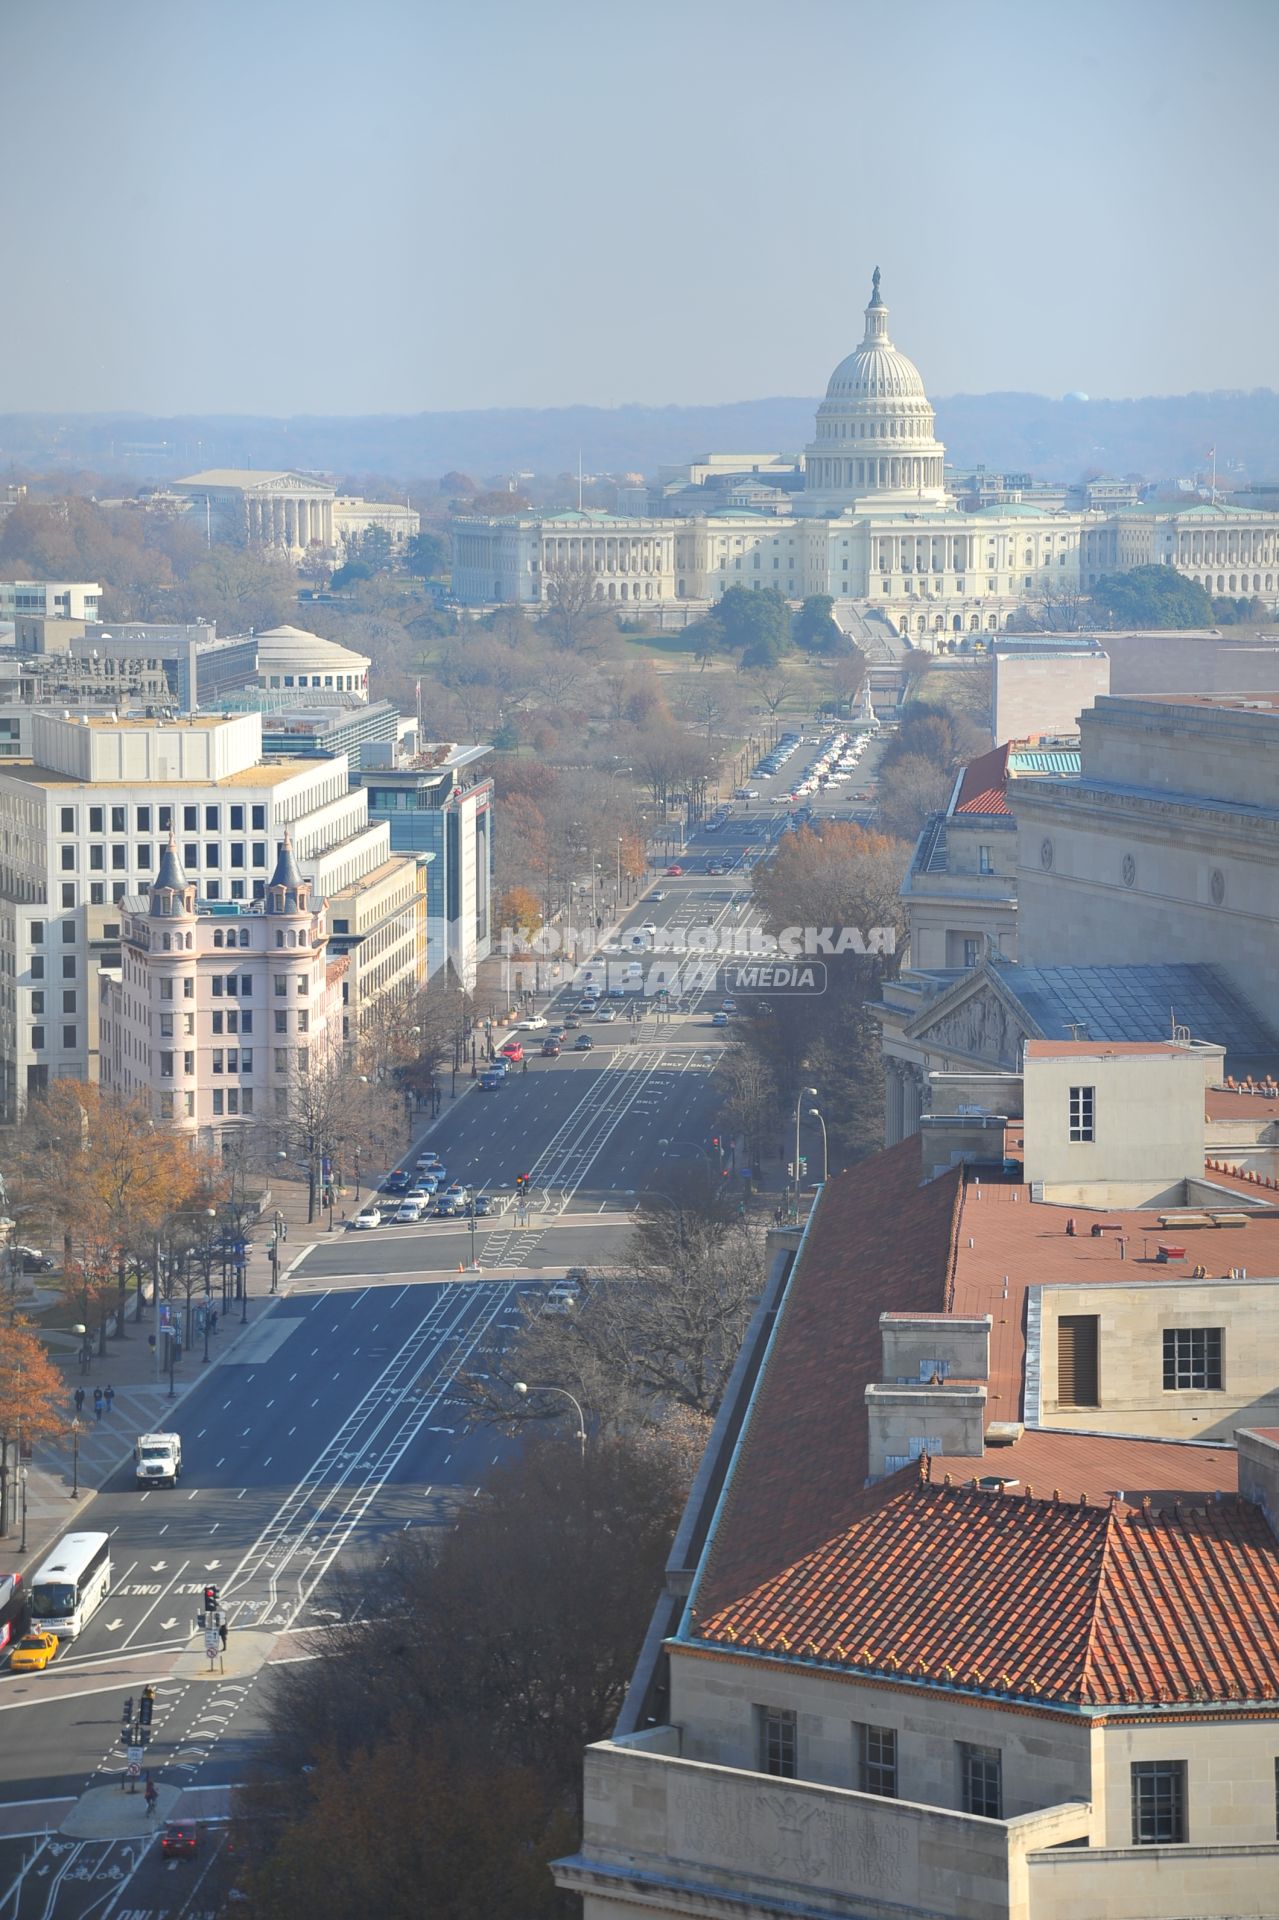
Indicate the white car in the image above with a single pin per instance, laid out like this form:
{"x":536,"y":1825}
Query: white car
{"x":536,"y":1023}
{"x":563,"y":1296}
{"x":371,"y":1217}
{"x":428,"y":1160}
{"x":410,"y":1211}
{"x":658,"y":893}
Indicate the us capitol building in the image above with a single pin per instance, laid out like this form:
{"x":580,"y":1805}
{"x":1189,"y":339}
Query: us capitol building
{"x":874,"y":527}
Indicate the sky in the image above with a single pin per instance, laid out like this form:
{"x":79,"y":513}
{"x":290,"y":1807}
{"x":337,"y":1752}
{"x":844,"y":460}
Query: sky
{"x":266,"y":207}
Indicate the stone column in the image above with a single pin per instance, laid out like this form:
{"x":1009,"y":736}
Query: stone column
{"x":304,"y":523}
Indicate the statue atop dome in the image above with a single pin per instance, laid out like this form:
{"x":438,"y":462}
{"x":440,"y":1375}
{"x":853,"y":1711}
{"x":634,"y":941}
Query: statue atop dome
{"x":875,"y":300}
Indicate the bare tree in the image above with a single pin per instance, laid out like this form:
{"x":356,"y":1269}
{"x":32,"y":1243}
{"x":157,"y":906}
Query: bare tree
{"x":572,"y":604}
{"x":334,"y":1122}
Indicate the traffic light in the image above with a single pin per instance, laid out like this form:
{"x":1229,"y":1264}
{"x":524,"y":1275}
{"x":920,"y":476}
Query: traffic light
{"x":803,"y":1166}
{"x":146,"y":1706}
{"x":210,"y":1599}
{"x":715,"y":1141}
{"x":126,"y":1712}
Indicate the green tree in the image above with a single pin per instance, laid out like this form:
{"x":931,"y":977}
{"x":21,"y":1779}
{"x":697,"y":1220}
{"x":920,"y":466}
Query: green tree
{"x":1152,"y":597}
{"x":755,"y":624}
{"x":815,"y":626}
{"x":427,"y":554}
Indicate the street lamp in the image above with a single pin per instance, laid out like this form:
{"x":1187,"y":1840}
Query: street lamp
{"x":22,"y":1478}
{"x":523,"y":1389}
{"x":814,"y":1113}
{"x":806,"y":1093}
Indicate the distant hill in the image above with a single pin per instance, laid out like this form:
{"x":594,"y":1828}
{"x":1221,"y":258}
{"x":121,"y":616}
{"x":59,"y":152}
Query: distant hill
{"x":1160,"y":438}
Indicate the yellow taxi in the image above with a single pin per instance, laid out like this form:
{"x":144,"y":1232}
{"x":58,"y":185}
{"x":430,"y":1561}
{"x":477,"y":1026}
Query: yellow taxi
{"x":33,"y":1652}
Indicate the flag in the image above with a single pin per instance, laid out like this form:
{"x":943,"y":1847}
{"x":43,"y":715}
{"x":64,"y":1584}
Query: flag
{"x":1211,"y":454}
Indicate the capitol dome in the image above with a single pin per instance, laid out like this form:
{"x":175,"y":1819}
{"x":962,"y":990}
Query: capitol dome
{"x":876,"y":433}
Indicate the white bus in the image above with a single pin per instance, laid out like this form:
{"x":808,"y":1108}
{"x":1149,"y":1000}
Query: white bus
{"x":74,"y":1580}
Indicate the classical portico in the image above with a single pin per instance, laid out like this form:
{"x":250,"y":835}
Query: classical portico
{"x":291,"y":513}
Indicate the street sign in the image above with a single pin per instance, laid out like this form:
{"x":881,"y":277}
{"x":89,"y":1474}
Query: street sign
{"x":135,"y":1759}
{"x":212,"y":1640}
{"x":135,"y":1768}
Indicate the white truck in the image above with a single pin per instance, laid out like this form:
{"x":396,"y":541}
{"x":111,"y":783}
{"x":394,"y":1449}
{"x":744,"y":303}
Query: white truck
{"x":158,"y":1458}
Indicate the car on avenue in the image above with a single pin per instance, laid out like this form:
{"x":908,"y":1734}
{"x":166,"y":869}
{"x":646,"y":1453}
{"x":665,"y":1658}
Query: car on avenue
{"x":606,"y":1014}
{"x":179,"y":1839}
{"x":674,"y":872}
{"x":563,"y":1295}
{"x":446,"y":1207}
{"x":399,"y":1182}
{"x":491,"y":1081}
{"x":513,"y":1051}
{"x":411,"y":1211}
{"x":719,"y":1019}
{"x":583,"y":1043}
{"x":427,"y":1161}
{"x":658,"y":893}
{"x":33,"y":1652}
{"x":370,"y":1217}
{"x":550,"y":1049}
{"x":571,"y":1020}
{"x":480,"y":1206}
{"x":536,"y":1023}
{"x":729,"y":1006}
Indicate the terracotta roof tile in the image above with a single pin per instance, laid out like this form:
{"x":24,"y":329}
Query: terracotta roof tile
{"x":1063,"y":1601}
{"x":878,"y":1243}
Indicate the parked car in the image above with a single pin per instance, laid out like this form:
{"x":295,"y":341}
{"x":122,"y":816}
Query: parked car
{"x":583,"y":1043}
{"x":370,"y":1217}
{"x":33,"y":1260}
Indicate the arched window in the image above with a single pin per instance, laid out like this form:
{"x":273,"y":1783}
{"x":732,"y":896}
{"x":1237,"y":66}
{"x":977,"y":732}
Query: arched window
{"x":279,"y":937}
{"x":244,"y":936}
{"x":217,"y":936}
{"x":168,"y":942}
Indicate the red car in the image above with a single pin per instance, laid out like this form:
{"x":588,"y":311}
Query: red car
{"x":178,"y":1841}
{"x":673,"y":873}
{"x":513,"y":1051}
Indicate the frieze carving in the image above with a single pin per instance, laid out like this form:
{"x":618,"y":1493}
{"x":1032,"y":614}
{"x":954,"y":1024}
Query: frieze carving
{"x":798,"y":1837}
{"x":981,"y":1027}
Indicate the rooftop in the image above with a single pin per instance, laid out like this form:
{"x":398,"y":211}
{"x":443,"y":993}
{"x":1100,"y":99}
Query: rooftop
{"x":1140,"y":1003}
{"x":1058,"y":1601}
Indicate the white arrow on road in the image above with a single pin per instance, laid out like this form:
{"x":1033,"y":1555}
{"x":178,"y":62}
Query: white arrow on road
{"x":167,"y":1625}
{"x":213,"y":1565}
{"x":113,"y":1624}
{"x":158,"y":1566}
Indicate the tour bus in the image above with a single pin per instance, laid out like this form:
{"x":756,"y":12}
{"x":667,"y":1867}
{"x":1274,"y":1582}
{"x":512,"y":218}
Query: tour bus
{"x":14,"y":1611}
{"x":72,"y":1583}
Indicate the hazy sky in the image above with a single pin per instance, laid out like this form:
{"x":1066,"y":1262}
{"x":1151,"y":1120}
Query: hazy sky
{"x":306,"y":206}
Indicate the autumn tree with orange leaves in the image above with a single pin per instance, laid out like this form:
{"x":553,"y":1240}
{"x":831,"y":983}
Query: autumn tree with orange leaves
{"x":105,"y":1177}
{"x":31,"y":1391}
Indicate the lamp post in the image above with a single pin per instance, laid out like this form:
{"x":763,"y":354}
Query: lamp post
{"x":22,"y":1479}
{"x":806,"y":1093}
{"x":75,"y":1457}
{"x":815,"y":1113}
{"x":523,"y":1389}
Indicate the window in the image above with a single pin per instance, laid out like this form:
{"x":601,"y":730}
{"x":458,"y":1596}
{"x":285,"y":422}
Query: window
{"x":217,"y":1059}
{"x":259,"y":853}
{"x":68,"y":1037}
{"x":68,"y":966}
{"x":281,"y":983}
{"x":986,"y":859}
{"x":233,"y":1021}
{"x":980,"y":1781}
{"x":304,"y":983}
{"x":37,"y":933}
{"x":188,"y":988}
{"x":246,"y":1021}
{"x":232,"y":1060}
{"x":37,"y":1003}
{"x":281,"y":1059}
{"x":37,"y":966}
{"x":144,"y":856}
{"x":97,"y":893}
{"x":1158,"y":1803}
{"x":217,"y":1022}
{"x":877,"y":1761}
{"x":1077,"y":1360}
{"x":1081,"y":1113}
{"x":166,"y":1026}
{"x":778,"y":1741}
{"x":166,"y":1106}
{"x":246,"y":986}
{"x":97,"y":859}
{"x":304,"y":1059}
{"x":68,"y":1001}
{"x":259,"y":819}
{"x":144,"y":819}
{"x":237,"y":819}
{"x":188,"y":1063}
{"x":233,"y":1099}
{"x":118,"y":824}
{"x":217,"y":1100}
{"x":281,"y":1021}
{"x":972,"y":952}
{"x":212,"y":854}
{"x":246,"y":1059}
{"x":166,"y":1066}
{"x":303,"y":1020}
{"x":188,"y":1024}
{"x":68,"y":893}
{"x":37,"y":1037}
{"x":217,"y":986}
{"x":190,"y":856}
{"x":1192,"y":1358}
{"x":66,"y":856}
{"x":246,"y":1100}
{"x":66,"y":819}
{"x":166,"y":989}
{"x":190,"y":819}
{"x":164,"y":819}
{"x":210,"y":819}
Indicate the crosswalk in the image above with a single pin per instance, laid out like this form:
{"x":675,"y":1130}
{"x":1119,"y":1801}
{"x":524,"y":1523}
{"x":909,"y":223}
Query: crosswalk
{"x":104,"y":1443}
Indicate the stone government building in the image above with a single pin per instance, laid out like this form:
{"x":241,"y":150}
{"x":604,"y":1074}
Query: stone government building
{"x":874,"y":525}
{"x":291,"y":513}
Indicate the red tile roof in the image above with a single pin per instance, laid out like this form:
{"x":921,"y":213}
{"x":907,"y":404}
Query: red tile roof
{"x":1097,"y":1049}
{"x":878,"y":1243}
{"x":1092,"y":1606}
{"x":984,"y":787}
{"x":1045,"y":1461}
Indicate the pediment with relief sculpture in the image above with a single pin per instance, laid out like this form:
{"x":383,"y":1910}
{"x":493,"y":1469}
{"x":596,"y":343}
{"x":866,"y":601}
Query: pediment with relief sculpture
{"x":981,"y":1026}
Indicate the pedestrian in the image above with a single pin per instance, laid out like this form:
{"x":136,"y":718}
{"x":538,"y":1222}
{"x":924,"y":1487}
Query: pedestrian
{"x":222,"y":1633}
{"x":109,"y":1397}
{"x":79,"y":1401}
{"x":97,"y":1403}
{"x":213,"y":1319}
{"x":524,"y":1065}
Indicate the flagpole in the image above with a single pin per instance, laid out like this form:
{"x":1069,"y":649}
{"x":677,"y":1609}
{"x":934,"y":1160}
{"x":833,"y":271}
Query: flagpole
{"x":1214,"y":476}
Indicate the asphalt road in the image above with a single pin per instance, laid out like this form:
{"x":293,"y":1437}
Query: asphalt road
{"x":337,"y":1425}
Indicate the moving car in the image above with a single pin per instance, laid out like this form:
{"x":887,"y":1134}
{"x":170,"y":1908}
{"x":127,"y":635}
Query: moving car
{"x":550,"y":1049}
{"x":480,"y":1206}
{"x":458,"y":1191}
{"x":563,"y":1296}
{"x":446,"y":1208}
{"x":371,"y":1217}
{"x":719,"y":1019}
{"x":606,"y":1014}
{"x":489,"y":1081}
{"x":33,"y":1652}
{"x":583,"y":1043}
{"x":179,"y":1839}
{"x":429,"y":1161}
{"x":673,"y":873}
{"x":536,"y":1023}
{"x":570,"y":1021}
{"x":396,"y":1183}
{"x":729,"y":1006}
{"x":409,"y":1212}
{"x":617,"y":991}
{"x":513,"y":1051}
{"x":715,"y":868}
{"x":659,"y":893}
